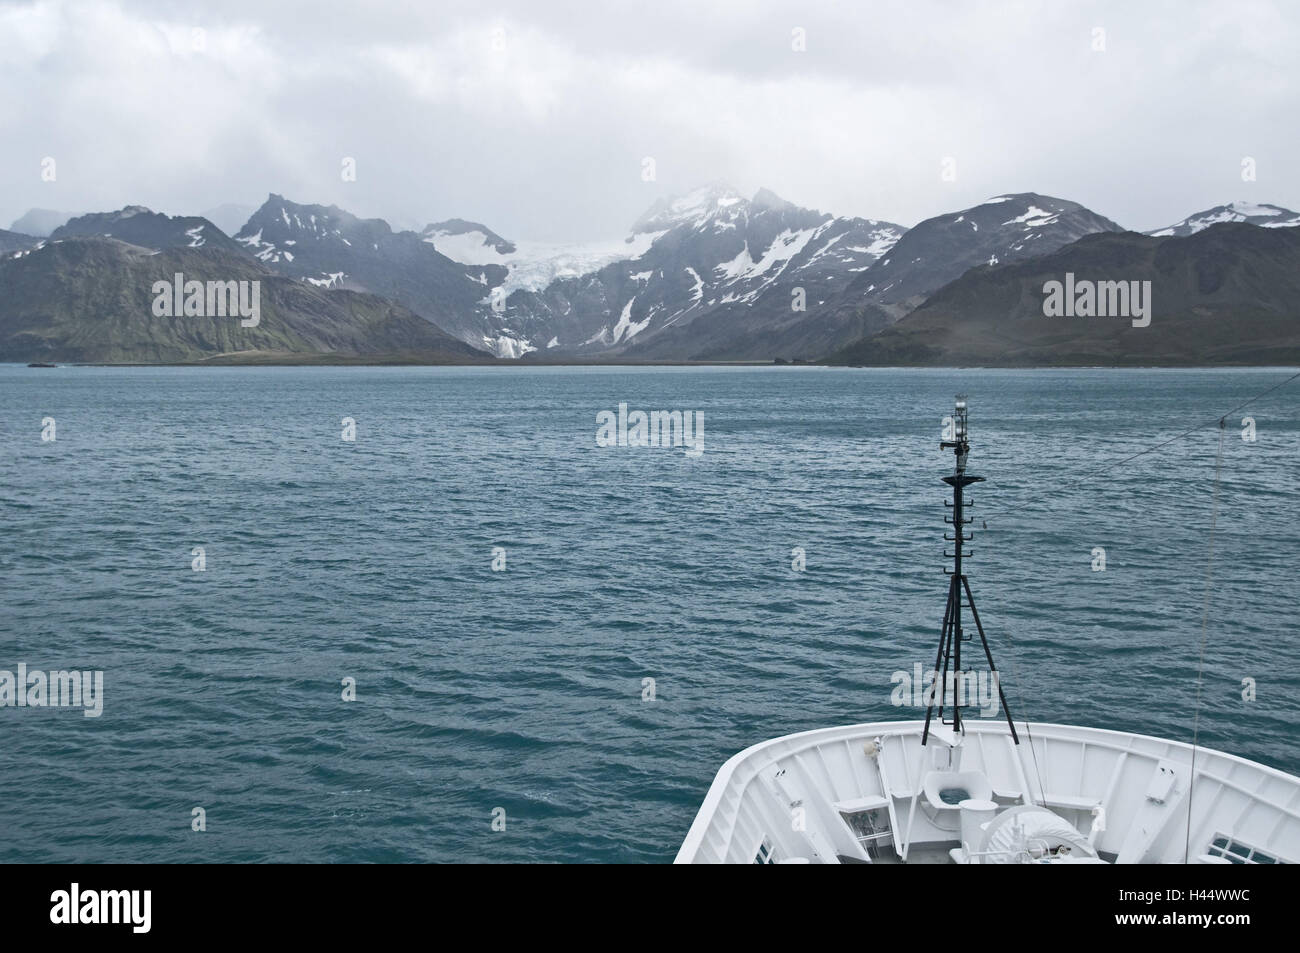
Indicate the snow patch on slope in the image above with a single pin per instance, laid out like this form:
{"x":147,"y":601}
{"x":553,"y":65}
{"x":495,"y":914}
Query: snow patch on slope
{"x":506,"y":346}
{"x":784,"y":247}
{"x":626,"y":325}
{"x":468,"y":248}
{"x":1035,"y":217}
{"x":698,"y":291}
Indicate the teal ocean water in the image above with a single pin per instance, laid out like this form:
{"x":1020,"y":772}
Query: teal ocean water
{"x":524,"y":689}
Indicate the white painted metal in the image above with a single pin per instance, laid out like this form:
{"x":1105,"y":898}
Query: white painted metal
{"x":838,"y":794}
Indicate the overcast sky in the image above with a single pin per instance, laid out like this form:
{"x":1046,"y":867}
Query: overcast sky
{"x":535,"y":118}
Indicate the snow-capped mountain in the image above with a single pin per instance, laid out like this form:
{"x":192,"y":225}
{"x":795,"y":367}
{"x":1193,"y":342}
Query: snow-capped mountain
{"x":715,"y":203}
{"x":332,"y":248}
{"x":709,"y":275}
{"x":939,"y":250}
{"x":692,"y":256}
{"x":756,"y":267}
{"x":137,"y":225}
{"x":1222,"y":295}
{"x":1266,"y":216}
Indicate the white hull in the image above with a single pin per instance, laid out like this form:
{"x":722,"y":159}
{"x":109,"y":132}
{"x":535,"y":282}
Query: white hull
{"x":871,"y":793}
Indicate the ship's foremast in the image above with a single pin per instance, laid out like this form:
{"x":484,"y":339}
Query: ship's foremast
{"x":953,"y":633}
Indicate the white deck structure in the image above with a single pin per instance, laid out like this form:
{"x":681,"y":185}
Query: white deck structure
{"x":872,"y":794}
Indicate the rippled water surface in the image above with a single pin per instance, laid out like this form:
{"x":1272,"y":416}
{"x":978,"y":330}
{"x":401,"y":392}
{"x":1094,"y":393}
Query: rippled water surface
{"x":523,"y":689}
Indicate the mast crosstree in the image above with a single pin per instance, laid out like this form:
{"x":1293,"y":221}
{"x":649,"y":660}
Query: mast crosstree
{"x":953,"y":634}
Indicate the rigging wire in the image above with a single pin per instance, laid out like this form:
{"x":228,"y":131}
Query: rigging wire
{"x":1218,"y":466}
{"x":1164,"y":443}
{"x":1205,"y":621}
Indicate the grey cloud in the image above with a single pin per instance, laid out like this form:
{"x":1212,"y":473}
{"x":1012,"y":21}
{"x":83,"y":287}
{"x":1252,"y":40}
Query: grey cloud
{"x":535,"y":117}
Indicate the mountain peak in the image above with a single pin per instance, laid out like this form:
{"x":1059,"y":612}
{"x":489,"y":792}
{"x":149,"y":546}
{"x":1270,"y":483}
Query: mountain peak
{"x":1004,"y":228}
{"x":283,"y":217}
{"x":1243,"y":207}
{"x":138,"y":225}
{"x":1029,"y":198}
{"x":1252,"y":213}
{"x":40,"y":222}
{"x":765,"y":199}
{"x":695,"y":208}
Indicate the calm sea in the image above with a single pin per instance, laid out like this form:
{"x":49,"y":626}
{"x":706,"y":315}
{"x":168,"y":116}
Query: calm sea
{"x":525,"y":689}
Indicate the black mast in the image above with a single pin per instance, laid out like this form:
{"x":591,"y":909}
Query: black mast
{"x":952,"y":635}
